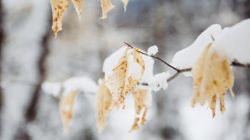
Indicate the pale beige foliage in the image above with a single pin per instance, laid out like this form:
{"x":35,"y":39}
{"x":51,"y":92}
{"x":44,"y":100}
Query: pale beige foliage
{"x":60,"y":6}
{"x":67,"y":108}
{"x":141,"y":97}
{"x":103,"y":104}
{"x":78,"y":4}
{"x":106,"y":6}
{"x":212,"y":77}
{"x":58,"y":9}
{"x":125,"y":4}
{"x":120,"y":81}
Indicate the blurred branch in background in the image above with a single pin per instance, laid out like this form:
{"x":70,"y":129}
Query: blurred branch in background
{"x":1,"y":46}
{"x":30,"y":114}
{"x":31,"y":111}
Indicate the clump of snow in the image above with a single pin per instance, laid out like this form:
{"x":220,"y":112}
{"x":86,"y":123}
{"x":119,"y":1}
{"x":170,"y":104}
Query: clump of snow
{"x":52,"y":88}
{"x":152,"y":50}
{"x":159,"y":81}
{"x":80,"y":84}
{"x":187,"y":57}
{"x":235,"y":42}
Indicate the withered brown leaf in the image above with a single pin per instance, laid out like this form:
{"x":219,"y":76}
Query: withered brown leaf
{"x":212,"y":77}
{"x":106,"y":6}
{"x":58,"y":9}
{"x":103,"y":104}
{"x":67,"y":108}
{"x":78,"y":4}
{"x":141,"y":97}
{"x":125,"y":4}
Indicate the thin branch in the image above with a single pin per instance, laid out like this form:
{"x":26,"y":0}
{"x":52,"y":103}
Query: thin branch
{"x":155,"y":57}
{"x":235,"y":63}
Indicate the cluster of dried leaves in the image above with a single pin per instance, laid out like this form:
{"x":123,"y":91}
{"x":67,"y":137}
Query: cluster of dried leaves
{"x":60,"y":6}
{"x":123,"y":80}
{"x":212,"y":77}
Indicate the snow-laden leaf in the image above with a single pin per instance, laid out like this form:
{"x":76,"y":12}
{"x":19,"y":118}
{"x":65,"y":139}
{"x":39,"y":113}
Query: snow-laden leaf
{"x":187,"y":57}
{"x":78,"y":6}
{"x":66,"y":91}
{"x":80,"y":84}
{"x":125,"y":76}
{"x":103,"y":104}
{"x":124,"y":69}
{"x":142,"y":97}
{"x":234,"y":42}
{"x":125,"y":4}
{"x":58,"y":9}
{"x":106,"y":6}
{"x":212,"y":77}
{"x":117,"y":79}
{"x":67,"y":109}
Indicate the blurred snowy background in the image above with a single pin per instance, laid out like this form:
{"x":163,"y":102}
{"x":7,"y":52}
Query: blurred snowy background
{"x":29,"y":54}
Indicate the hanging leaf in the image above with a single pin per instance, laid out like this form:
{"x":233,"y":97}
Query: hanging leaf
{"x":58,"y":9}
{"x":141,"y":97}
{"x":125,"y":76}
{"x":116,"y":80}
{"x":125,"y":4}
{"x":212,"y":77}
{"x":103,"y":106}
{"x":78,"y":7}
{"x":106,"y":6}
{"x":66,"y":109}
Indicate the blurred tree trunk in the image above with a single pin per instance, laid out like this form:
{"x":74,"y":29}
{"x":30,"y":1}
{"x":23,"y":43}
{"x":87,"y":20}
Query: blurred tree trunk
{"x":1,"y":46}
{"x":31,"y":111}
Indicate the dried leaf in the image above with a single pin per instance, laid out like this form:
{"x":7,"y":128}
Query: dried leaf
{"x":122,"y":81}
{"x":125,"y":4}
{"x":116,"y":81}
{"x":78,"y":7}
{"x":58,"y":9}
{"x":212,"y":77}
{"x":103,"y":106}
{"x":66,"y":109}
{"x":141,"y":97}
{"x":106,"y":6}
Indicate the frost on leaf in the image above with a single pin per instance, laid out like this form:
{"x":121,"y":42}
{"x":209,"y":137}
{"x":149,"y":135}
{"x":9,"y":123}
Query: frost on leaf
{"x":78,"y":7}
{"x":141,"y":97}
{"x":66,"y":109}
{"x":106,"y":6}
{"x":103,"y":105}
{"x":125,"y":4}
{"x":125,"y":76}
{"x":212,"y":77}
{"x":58,"y":9}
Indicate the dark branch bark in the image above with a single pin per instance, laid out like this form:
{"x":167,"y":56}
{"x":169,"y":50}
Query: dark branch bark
{"x":2,"y":38}
{"x":31,"y":112}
